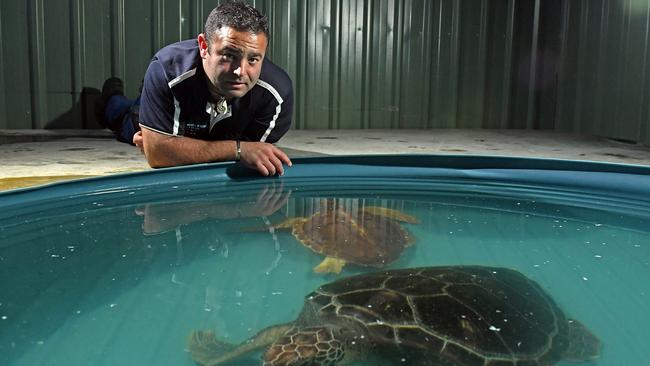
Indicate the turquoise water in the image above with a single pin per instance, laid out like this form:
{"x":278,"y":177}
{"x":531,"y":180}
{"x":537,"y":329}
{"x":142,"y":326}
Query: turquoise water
{"x":123,"y":276}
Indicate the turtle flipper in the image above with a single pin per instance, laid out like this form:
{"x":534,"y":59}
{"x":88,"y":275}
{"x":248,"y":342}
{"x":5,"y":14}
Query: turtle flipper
{"x":289,"y":223}
{"x":391,"y":214}
{"x":583,"y":345}
{"x":330,"y":265}
{"x":282,"y":225}
{"x":204,"y":347}
{"x":207,"y":350}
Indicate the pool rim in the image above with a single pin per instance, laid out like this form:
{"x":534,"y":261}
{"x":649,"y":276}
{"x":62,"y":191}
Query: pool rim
{"x":391,"y":165}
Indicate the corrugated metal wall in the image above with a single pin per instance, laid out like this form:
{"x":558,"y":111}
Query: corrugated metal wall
{"x":604,"y":70}
{"x":577,"y":65}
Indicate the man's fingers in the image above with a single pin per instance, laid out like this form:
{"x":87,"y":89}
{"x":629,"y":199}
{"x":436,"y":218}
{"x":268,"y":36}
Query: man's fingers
{"x":282,"y":156}
{"x":279,"y":199}
{"x":273,"y":164}
{"x":278,"y":157}
{"x":283,"y":198}
{"x":262,"y":168}
{"x":270,"y":167}
{"x":277,"y":164}
{"x":264,"y":192}
{"x":266,"y":158}
{"x":137,"y":141}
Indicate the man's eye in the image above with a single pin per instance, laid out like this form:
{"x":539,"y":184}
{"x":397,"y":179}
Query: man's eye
{"x":227,"y":57}
{"x":253,"y":61}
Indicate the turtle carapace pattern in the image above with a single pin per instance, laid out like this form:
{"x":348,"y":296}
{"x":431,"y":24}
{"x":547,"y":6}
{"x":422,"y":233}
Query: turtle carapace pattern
{"x":433,"y":316}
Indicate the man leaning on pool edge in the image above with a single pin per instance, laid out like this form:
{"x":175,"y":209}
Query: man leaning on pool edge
{"x":216,"y":98}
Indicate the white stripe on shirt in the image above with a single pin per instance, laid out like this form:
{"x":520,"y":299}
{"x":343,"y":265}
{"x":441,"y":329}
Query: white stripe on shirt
{"x":177,"y":106}
{"x":278,"y":108}
{"x":177,"y":116}
{"x":182,"y":77}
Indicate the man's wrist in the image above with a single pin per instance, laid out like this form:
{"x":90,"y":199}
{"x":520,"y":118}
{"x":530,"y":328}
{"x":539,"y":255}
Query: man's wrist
{"x":238,"y":150}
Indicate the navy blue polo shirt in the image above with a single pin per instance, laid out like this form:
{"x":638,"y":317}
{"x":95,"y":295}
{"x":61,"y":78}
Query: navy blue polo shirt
{"x":176,"y":101}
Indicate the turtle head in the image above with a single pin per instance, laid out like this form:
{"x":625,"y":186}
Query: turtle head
{"x":316,"y":346}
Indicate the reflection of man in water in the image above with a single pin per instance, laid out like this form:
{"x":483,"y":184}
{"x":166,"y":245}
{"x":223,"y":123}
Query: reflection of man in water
{"x":165,"y":216}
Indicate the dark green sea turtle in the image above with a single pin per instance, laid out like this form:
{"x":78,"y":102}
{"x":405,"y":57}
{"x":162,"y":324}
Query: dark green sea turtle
{"x":369,"y":236}
{"x":438,"y":316}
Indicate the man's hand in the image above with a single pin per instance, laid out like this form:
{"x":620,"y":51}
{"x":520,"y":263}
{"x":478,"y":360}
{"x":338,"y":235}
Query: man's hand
{"x":263,"y":157}
{"x":137,"y":141}
{"x":270,"y":199}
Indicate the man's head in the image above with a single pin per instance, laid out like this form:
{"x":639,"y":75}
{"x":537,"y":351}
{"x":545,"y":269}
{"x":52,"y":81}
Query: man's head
{"x":232,"y":47}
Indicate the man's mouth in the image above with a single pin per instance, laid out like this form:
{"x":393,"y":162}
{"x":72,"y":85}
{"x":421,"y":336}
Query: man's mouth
{"x":235,"y":82}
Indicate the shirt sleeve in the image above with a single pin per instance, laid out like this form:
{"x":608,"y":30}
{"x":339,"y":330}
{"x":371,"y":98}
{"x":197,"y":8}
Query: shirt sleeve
{"x":273,"y":119}
{"x":157,"y":102}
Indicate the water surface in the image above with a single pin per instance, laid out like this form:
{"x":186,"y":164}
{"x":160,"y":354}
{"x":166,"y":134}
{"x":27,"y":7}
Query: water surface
{"x":123,"y":276}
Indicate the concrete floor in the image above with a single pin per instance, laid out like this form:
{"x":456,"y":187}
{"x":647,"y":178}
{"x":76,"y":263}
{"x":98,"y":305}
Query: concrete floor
{"x":37,"y":157}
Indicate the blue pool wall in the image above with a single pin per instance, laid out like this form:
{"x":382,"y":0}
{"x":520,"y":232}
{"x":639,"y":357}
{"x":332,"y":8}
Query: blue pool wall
{"x":625,"y":181}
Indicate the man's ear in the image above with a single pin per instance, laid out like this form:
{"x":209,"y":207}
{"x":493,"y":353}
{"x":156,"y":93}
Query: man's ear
{"x":203,"y":45}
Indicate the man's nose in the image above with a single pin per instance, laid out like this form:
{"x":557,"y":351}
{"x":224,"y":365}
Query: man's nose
{"x":239,"y":68}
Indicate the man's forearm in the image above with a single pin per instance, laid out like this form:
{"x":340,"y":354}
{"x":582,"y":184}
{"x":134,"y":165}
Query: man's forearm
{"x":165,"y":151}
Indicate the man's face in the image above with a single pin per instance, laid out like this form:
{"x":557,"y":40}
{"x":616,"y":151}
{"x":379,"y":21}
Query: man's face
{"x":233,"y":61}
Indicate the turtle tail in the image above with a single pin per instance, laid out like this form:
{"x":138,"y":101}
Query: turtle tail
{"x":583,"y":345}
{"x":207,"y":350}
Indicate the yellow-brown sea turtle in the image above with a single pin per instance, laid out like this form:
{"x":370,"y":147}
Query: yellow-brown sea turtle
{"x":367,"y":236}
{"x":431,"y":316}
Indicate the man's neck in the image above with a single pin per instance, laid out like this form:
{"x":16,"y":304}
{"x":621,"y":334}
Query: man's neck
{"x":215,"y":97}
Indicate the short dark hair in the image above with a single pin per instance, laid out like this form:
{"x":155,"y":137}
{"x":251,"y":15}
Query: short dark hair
{"x":237,"y":15}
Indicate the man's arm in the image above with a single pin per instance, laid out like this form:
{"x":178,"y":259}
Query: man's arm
{"x":164,"y":151}
{"x":161,"y":217}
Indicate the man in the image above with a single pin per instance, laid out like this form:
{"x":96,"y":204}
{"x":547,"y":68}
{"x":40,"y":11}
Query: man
{"x":215,"y":98}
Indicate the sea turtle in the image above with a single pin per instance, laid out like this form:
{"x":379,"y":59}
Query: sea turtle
{"x":438,"y":316}
{"x":368,"y":236}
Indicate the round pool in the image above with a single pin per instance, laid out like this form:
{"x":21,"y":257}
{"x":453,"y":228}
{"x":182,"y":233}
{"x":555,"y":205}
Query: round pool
{"x":121,"y":270}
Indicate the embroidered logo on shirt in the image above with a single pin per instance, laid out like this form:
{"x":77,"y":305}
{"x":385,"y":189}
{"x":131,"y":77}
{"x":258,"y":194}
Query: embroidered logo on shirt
{"x":195,"y":129}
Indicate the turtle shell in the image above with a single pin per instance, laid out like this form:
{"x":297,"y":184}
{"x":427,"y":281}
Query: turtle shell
{"x":460,"y":315}
{"x":362,"y":237}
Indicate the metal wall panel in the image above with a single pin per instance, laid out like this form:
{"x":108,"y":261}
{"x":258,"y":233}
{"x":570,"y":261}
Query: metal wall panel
{"x":15,"y":52}
{"x":576,"y":65}
{"x":417,"y":64}
{"x":603,"y":80}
